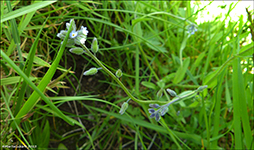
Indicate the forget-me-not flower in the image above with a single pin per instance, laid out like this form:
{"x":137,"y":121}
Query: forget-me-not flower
{"x":75,"y":37}
{"x":192,"y":28}
{"x":157,"y":111}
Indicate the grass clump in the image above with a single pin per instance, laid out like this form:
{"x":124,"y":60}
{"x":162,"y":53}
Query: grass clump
{"x":177,"y":84}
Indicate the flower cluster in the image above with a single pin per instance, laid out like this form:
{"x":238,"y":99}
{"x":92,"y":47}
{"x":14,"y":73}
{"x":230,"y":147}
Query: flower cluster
{"x":192,"y":28}
{"x":162,"y":110}
{"x":79,"y":37}
{"x":75,"y":37}
{"x":159,"y":112}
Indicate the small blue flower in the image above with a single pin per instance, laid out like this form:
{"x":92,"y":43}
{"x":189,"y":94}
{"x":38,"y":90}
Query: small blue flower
{"x":156,"y":114}
{"x":83,"y":31}
{"x":162,"y":110}
{"x":75,"y":37}
{"x":192,"y":28}
{"x":159,"y":112}
{"x":153,"y":112}
{"x":73,"y":34}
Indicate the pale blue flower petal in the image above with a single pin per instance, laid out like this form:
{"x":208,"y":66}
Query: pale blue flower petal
{"x":83,"y":30}
{"x":73,"y":34}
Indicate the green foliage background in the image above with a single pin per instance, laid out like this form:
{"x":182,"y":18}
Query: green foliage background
{"x":149,"y":42}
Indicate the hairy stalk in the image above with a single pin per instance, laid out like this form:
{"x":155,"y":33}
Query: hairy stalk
{"x":191,"y":94}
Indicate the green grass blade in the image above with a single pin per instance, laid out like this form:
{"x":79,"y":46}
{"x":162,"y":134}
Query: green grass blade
{"x":136,"y":28}
{"x":15,"y":35}
{"x":72,"y":120}
{"x":29,"y":61}
{"x":243,"y":108}
{"x":43,"y":63}
{"x":13,"y":80}
{"x":247,"y":50}
{"x":192,"y":137}
{"x":217,"y":110}
{"x":10,"y":112}
{"x":25,"y":10}
{"x":183,"y":45}
{"x":33,"y":99}
{"x":163,"y":123}
{"x":181,"y":71}
{"x":26,"y":21}
{"x":236,"y":106}
{"x":25,"y":109}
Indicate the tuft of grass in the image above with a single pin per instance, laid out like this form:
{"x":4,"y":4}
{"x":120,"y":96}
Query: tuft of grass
{"x":44,"y":93}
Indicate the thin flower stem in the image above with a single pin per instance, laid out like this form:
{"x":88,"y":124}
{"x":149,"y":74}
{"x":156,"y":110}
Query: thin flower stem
{"x":118,"y":81}
{"x":191,"y":94}
{"x":128,"y":100}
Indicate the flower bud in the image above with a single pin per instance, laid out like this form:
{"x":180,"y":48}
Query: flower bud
{"x":62,"y":34}
{"x":73,"y":27}
{"x":95,"y":46}
{"x":77,"y":50}
{"x":83,"y":31}
{"x":159,"y":93}
{"x":151,"y":110}
{"x":80,"y":39}
{"x":91,"y":71}
{"x":152,"y":115}
{"x":171,"y":92}
{"x":70,"y":43}
{"x":164,"y":111}
{"x":123,"y":108}
{"x":157,"y":117}
{"x":192,"y":28}
{"x":154,"y":105}
{"x":119,"y":73}
{"x":201,"y":88}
